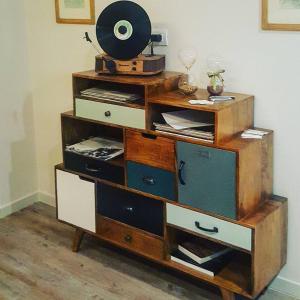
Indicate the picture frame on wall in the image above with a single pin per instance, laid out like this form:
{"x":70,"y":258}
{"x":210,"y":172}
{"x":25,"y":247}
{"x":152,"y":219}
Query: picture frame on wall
{"x":75,"y":11}
{"x":281,"y":15}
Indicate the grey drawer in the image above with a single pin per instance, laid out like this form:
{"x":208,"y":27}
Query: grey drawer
{"x":217,"y":229}
{"x":110,"y":113}
{"x":151,"y":180}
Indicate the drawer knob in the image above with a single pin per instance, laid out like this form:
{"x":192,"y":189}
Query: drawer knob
{"x":213,"y":230}
{"x":128,"y":238}
{"x":92,"y":169}
{"x":149,"y":180}
{"x":107,"y":113}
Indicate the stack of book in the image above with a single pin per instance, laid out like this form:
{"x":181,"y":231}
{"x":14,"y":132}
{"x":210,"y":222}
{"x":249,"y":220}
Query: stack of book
{"x":114,"y":96}
{"x":203,"y":133}
{"x":209,"y":258}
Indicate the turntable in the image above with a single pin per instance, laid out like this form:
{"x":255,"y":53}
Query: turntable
{"x":123,"y":31}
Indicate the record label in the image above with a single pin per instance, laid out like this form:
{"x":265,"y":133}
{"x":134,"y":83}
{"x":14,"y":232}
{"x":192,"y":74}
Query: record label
{"x":123,"y":30}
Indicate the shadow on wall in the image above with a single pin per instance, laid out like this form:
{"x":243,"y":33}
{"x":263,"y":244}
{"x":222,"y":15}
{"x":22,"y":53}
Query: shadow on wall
{"x":21,"y":162}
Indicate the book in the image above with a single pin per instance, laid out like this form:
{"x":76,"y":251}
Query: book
{"x":210,"y":268}
{"x":204,"y":252}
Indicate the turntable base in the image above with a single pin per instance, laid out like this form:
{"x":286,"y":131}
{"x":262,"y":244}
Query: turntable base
{"x":142,"y":65}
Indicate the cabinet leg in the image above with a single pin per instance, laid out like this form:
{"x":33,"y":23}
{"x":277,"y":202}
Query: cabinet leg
{"x":227,"y":295}
{"x":77,"y":239}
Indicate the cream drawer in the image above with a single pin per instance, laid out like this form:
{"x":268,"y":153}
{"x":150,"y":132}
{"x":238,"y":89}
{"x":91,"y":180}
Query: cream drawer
{"x":76,"y":202}
{"x":110,"y":113}
{"x":205,"y":225}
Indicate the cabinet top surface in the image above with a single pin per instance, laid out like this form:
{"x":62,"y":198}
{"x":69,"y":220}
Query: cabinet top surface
{"x":127,"y":79}
{"x":175,"y":98}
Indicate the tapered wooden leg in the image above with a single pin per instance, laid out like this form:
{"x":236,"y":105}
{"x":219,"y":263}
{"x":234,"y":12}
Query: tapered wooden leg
{"x":77,"y":239}
{"x":227,"y":295}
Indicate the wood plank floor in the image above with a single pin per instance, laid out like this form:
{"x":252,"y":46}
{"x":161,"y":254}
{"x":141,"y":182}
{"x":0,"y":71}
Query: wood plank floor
{"x":36,"y":263}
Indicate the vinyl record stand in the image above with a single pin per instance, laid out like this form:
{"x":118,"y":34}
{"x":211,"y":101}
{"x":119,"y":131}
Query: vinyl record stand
{"x":167,"y":188}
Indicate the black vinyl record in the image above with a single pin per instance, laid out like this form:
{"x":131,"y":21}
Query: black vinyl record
{"x":123,"y":30}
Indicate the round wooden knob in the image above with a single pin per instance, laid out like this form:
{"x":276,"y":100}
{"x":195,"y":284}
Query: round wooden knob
{"x":128,"y":238}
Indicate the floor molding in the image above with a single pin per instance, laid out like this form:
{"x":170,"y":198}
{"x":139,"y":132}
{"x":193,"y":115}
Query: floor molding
{"x":46,"y":198}
{"x":18,"y":204}
{"x":286,"y":287}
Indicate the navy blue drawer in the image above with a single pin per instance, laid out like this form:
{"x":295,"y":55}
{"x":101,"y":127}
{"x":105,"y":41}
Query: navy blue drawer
{"x":207,"y":178}
{"x":129,"y":208}
{"x":93,"y":167}
{"x":151,"y":180}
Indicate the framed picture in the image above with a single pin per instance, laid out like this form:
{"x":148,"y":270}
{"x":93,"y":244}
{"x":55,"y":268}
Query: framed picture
{"x":281,"y":14}
{"x":75,"y":11}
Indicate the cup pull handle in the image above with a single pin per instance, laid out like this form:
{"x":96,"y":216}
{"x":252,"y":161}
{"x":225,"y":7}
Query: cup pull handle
{"x":92,"y":169}
{"x":213,"y":230}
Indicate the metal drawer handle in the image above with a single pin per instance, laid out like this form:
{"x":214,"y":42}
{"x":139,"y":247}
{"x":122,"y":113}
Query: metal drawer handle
{"x":149,"y":180}
{"x":128,"y":238}
{"x":181,"y":166}
{"x":214,"y":230}
{"x":129,"y":209}
{"x":107,"y":113}
{"x":92,"y":169}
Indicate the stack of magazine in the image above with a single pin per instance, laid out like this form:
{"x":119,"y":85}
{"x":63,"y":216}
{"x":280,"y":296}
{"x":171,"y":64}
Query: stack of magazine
{"x":114,"y":96}
{"x":208,"y":258}
{"x":98,"y":148}
{"x":187,"y":123}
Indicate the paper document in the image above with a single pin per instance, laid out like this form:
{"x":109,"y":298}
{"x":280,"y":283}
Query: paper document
{"x":184,"y":119}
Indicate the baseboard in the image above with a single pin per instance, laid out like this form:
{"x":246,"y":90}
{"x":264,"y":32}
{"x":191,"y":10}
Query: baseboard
{"x":46,"y":198}
{"x":18,"y":204}
{"x":286,"y":287}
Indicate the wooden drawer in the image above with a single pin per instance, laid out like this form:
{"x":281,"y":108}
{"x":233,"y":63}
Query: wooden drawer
{"x":130,"y":208}
{"x":130,"y":238}
{"x":150,"y":150}
{"x":110,"y":113}
{"x":151,"y":180}
{"x":75,"y":200}
{"x":221,"y":230}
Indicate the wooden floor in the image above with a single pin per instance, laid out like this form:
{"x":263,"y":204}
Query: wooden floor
{"x":36,"y":263}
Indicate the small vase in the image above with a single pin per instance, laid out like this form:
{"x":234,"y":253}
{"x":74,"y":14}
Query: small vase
{"x":215,"y":90}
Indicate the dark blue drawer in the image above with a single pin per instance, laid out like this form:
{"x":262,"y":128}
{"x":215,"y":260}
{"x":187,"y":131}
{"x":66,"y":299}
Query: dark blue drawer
{"x":207,"y":178}
{"x":151,"y":180}
{"x":130,"y":208}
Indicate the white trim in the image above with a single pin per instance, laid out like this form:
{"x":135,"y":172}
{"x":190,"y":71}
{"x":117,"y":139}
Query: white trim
{"x":18,"y":204}
{"x":286,"y":287}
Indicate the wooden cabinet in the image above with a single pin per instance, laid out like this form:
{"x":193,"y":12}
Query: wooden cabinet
{"x":170,"y":189}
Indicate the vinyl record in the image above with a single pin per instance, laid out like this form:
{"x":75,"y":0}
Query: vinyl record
{"x":123,"y":30}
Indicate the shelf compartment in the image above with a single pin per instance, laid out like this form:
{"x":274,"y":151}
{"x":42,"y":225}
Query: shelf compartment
{"x":230,"y":117}
{"x":130,"y":208}
{"x":155,"y":112}
{"x":130,"y":238}
{"x":237,"y":268}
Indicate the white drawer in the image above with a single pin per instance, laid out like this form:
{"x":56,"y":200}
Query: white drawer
{"x":224,"y":231}
{"x":110,"y":113}
{"x":76,"y":200}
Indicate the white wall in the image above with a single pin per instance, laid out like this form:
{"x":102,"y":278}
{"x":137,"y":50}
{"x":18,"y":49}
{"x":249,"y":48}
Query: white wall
{"x":262,"y":63}
{"x":17,"y":146}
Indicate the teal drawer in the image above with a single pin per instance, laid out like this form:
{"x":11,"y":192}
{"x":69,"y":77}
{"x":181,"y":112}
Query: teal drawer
{"x":151,"y":180}
{"x":207,"y":178}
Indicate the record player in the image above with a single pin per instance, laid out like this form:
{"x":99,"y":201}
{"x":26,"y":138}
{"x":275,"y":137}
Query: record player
{"x":123,"y":31}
